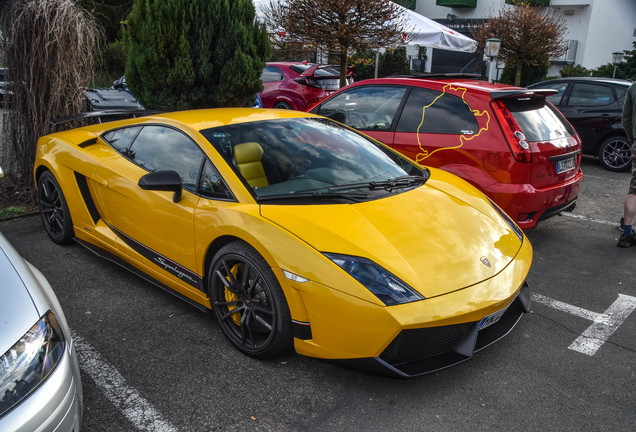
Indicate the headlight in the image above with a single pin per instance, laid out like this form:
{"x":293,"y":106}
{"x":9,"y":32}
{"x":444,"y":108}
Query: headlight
{"x":513,"y":226}
{"x":380,"y":282}
{"x":27,"y":363}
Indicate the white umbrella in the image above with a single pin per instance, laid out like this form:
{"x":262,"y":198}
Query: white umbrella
{"x":421,"y":30}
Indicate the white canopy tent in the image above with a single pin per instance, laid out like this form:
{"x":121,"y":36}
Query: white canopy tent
{"x":423,"y":31}
{"x":420,"y":30}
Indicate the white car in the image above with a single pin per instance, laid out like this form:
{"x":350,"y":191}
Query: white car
{"x":40,"y":387}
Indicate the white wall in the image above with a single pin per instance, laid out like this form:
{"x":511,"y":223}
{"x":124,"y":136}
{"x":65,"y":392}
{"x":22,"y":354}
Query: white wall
{"x":484,"y":9}
{"x":601,"y":27}
{"x":612,"y":24}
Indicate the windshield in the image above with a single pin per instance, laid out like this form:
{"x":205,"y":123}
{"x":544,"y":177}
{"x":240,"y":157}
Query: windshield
{"x":286,"y":158}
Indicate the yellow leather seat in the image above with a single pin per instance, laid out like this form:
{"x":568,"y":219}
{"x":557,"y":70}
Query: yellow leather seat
{"x":248,"y":157}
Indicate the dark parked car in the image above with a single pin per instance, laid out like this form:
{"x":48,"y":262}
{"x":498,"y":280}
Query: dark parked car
{"x":111,"y":99}
{"x":40,"y":383}
{"x":507,"y":141}
{"x":298,"y":85}
{"x":593,"y":106}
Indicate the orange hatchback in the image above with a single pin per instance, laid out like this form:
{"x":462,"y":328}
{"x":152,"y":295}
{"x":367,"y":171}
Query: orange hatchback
{"x":510,"y":142}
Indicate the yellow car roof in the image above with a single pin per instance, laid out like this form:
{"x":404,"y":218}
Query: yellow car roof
{"x":204,"y":118}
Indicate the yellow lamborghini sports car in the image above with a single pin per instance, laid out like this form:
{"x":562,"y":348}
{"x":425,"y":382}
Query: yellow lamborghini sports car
{"x":296,"y":231}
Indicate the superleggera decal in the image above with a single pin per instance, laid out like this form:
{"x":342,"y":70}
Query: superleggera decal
{"x":159,"y":260}
{"x":176,"y":270}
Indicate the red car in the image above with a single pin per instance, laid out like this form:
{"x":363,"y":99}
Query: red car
{"x":509,"y":142}
{"x":298,"y":85}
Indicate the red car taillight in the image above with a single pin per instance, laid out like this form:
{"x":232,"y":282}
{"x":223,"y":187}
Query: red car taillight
{"x":514,"y":136}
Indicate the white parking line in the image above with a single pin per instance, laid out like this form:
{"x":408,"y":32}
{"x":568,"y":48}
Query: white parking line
{"x":134,"y":407}
{"x":585,"y":218}
{"x":604,"y":325}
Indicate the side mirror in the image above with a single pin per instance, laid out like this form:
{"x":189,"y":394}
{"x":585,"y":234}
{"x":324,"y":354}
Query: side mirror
{"x":166,"y":180}
{"x":1,"y":173}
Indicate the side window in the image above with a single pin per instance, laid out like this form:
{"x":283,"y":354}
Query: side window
{"x":560,"y":87}
{"x":211,"y":184}
{"x":120,"y":139}
{"x":271,"y":73}
{"x":589,"y":95}
{"x":161,"y":148}
{"x":620,"y":94}
{"x":365,"y":108}
{"x":429,"y":111}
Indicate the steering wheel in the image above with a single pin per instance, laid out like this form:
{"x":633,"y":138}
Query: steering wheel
{"x":355,"y":120}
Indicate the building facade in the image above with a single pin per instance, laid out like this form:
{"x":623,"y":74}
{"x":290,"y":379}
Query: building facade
{"x":595,"y":28}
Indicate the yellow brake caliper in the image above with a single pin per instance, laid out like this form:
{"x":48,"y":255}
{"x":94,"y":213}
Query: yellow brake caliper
{"x":231,"y":297}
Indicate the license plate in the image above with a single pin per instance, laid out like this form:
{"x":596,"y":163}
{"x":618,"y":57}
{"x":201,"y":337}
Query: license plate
{"x":492,"y":318}
{"x":565,"y":165}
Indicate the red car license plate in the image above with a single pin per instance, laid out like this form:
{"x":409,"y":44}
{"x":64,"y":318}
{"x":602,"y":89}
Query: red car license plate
{"x":565,"y":165}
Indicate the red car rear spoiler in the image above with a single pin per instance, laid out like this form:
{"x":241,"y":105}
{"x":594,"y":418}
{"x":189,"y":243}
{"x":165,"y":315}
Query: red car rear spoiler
{"x":516,"y":93}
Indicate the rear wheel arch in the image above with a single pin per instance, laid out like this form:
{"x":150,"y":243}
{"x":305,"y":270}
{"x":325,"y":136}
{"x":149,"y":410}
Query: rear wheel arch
{"x":292,"y":99}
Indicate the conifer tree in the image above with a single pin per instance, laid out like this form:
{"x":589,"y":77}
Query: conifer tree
{"x":194,"y":54}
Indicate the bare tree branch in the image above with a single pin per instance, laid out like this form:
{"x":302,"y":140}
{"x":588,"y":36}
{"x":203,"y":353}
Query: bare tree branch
{"x":48,"y":46}
{"x":530,"y":36}
{"x":338,"y":25}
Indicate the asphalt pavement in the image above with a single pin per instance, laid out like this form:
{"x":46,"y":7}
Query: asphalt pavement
{"x":152,"y":362}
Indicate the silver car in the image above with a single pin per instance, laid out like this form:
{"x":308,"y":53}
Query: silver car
{"x":40,"y":387}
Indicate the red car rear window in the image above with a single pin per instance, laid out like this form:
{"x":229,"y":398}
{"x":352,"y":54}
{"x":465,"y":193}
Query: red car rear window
{"x":538,"y":119}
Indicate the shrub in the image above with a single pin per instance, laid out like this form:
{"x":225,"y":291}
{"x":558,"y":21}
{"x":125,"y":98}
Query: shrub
{"x":363,"y":65}
{"x":194,"y":54}
{"x":529,"y":75}
{"x":574,"y":71}
{"x":394,"y":62}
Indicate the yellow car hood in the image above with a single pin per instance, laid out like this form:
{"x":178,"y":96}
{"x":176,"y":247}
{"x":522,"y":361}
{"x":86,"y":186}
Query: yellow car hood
{"x":430,"y":239}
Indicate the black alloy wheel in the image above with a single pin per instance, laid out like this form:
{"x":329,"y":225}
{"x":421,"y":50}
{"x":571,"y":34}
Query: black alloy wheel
{"x":615,"y":154}
{"x":54,"y":210}
{"x":249,"y":302}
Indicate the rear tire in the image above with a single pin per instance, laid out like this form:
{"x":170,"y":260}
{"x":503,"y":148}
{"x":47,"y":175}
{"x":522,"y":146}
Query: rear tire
{"x":54,"y":210}
{"x":249,"y":302}
{"x":283,"y":105}
{"x":615,"y":154}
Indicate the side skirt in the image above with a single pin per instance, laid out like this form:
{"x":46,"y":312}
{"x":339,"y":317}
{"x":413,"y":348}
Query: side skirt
{"x":120,"y":262}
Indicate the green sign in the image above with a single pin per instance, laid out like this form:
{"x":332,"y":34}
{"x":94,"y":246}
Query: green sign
{"x":457,"y":3}
{"x":410,"y":4}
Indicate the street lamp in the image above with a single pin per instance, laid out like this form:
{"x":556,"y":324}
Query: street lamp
{"x":491,"y":51}
{"x":617,"y":57}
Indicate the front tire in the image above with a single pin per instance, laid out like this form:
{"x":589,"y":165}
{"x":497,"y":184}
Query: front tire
{"x":249,"y":302}
{"x":54,"y":210}
{"x":615,"y":154}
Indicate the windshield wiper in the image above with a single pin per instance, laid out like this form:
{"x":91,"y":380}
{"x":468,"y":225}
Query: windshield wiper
{"x":390,"y":184}
{"x":351,"y":196}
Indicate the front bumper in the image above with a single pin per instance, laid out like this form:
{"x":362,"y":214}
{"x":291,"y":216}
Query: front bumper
{"x":413,"y":338}
{"x":420,"y":351}
{"x":56,"y":405}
